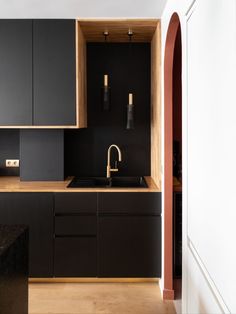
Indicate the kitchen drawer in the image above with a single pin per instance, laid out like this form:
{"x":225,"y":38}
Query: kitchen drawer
{"x":75,"y":257}
{"x":69,"y":203}
{"x":130,"y":203}
{"x":76,"y":225}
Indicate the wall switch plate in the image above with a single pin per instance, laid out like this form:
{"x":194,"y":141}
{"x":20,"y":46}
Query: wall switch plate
{"x":12,"y":163}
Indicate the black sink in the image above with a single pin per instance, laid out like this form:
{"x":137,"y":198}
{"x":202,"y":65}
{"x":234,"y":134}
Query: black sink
{"x":89,"y":182}
{"x":103,"y":182}
{"x":129,"y":182}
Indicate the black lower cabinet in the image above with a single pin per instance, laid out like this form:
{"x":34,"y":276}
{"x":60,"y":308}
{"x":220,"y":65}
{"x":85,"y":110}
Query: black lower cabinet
{"x":36,"y":211}
{"x":129,"y":234}
{"x":75,"y":246}
{"x":75,"y":257}
{"x":129,"y":246}
{"x":88,"y":234}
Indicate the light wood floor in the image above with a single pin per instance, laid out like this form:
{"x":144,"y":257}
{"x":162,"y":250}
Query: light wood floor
{"x":97,"y":298}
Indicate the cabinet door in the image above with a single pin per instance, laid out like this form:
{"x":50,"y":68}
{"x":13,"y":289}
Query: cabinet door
{"x":54,"y":72}
{"x":129,"y":246}
{"x":15,"y":72}
{"x":36,"y":211}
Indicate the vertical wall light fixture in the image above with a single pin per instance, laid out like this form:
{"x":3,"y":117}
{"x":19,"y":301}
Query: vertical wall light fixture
{"x":105,"y":92}
{"x":130,"y":113}
{"x":130,"y":106}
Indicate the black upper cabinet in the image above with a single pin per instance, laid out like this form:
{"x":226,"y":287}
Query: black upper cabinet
{"x":15,"y":72}
{"x":36,"y":211}
{"x":54,"y":72}
{"x":37,"y":73}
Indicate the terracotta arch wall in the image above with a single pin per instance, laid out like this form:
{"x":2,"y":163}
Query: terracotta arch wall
{"x":174,"y":25}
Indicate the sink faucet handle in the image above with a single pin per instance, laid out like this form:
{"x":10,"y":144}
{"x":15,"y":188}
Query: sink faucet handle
{"x":109,"y":169}
{"x":115,"y":169}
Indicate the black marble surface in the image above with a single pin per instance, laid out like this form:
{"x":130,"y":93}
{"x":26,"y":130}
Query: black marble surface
{"x":13,"y":269}
{"x":9,"y":234}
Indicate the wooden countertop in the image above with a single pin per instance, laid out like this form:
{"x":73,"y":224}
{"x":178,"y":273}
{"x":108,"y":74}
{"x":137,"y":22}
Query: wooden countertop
{"x":13,"y":184}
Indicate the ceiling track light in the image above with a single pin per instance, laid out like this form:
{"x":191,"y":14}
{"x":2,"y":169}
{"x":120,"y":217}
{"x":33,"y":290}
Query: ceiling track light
{"x":130,"y":33}
{"x":105,"y":34}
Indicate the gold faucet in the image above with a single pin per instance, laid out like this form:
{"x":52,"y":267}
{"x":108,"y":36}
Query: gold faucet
{"x":109,"y":169}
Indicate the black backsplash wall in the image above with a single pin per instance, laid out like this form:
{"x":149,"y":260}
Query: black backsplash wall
{"x":42,"y":155}
{"x":9,"y":149}
{"x":129,"y":71}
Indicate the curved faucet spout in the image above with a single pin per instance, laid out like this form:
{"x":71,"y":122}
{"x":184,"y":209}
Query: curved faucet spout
{"x":109,"y":169}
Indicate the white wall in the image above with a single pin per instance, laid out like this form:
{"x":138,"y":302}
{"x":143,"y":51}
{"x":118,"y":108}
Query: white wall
{"x":80,"y":8}
{"x":209,"y":153}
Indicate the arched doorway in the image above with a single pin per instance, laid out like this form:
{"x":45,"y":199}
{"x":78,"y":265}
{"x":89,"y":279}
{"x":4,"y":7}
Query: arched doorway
{"x":172,"y":134}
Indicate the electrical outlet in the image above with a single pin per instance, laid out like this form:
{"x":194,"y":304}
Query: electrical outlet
{"x":12,"y":163}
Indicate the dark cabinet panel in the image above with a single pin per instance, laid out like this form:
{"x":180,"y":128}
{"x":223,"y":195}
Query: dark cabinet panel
{"x":129,"y":246}
{"x":76,"y":225}
{"x":69,"y":203}
{"x":75,"y":257}
{"x":36,"y":211}
{"x":130,"y":203}
{"x":54,"y":74}
{"x":16,"y":72}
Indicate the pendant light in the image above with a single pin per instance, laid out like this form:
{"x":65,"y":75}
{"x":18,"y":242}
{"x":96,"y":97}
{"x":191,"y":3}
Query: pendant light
{"x":130,"y":113}
{"x":130,"y":106}
{"x":105,"y":91}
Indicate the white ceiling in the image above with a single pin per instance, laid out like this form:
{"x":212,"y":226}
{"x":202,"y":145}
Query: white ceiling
{"x":81,"y":8}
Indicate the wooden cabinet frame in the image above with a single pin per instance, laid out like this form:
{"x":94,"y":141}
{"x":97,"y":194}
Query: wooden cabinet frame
{"x":144,"y":30}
